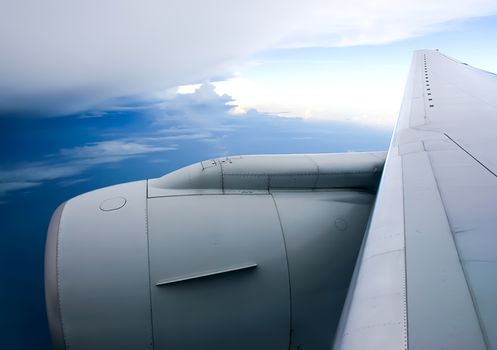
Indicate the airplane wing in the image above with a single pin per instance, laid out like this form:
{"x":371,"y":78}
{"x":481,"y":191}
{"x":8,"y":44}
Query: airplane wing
{"x":426,"y":277}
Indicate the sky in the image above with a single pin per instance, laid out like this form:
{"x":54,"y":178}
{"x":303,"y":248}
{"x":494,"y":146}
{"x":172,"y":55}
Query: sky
{"x":62,"y":57}
{"x":94,"y":93}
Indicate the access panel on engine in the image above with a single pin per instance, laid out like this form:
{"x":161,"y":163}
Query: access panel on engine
{"x":219,"y":276}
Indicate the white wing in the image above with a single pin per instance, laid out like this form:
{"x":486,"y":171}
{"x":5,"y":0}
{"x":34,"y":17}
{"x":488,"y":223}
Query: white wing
{"x":427,"y":275}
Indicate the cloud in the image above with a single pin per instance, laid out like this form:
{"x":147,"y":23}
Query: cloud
{"x":15,"y":186}
{"x":72,"y":182}
{"x":62,"y":57}
{"x":196,"y":126}
{"x":102,"y":151}
{"x":203,"y":101}
{"x":69,"y":162}
{"x":181,"y":118}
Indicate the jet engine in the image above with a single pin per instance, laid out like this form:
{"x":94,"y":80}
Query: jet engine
{"x":247,"y":252}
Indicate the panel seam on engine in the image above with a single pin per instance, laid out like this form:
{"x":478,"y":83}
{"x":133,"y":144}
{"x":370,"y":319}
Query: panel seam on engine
{"x":222,"y":174}
{"x":288,"y":270}
{"x":149,"y":272}
{"x":318,"y":170}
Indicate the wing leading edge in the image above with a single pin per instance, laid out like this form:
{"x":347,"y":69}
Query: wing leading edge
{"x":427,"y":274}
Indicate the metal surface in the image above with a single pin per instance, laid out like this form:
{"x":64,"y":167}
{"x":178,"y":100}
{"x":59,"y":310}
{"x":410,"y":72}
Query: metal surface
{"x":441,"y":312}
{"x":262,"y":173}
{"x":245,"y":310}
{"x":103,"y":271}
{"x":438,"y":289}
{"x":323,"y":233}
{"x":375,"y":314}
{"x":113,"y":203}
{"x":52,"y":280}
{"x":206,"y":274}
{"x":304,"y":244}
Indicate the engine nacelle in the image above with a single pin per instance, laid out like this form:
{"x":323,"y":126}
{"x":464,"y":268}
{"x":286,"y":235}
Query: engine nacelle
{"x":251,"y":252}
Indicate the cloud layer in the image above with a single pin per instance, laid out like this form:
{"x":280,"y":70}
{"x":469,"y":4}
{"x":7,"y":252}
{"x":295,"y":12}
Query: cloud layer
{"x":69,"y":162}
{"x":182,"y":130}
{"x":62,"y":57}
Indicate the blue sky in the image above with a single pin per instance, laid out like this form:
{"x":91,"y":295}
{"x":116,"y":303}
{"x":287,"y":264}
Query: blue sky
{"x":362,"y":84}
{"x":82,"y":107}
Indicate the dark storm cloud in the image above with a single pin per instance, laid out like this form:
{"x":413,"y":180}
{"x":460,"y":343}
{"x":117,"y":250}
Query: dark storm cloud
{"x":62,"y":57}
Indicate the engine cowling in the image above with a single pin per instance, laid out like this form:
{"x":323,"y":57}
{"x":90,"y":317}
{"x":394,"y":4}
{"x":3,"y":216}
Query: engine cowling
{"x":250,"y":252}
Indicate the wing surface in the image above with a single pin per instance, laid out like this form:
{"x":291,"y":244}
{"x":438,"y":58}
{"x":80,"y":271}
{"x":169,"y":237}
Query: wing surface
{"x":427,"y":274}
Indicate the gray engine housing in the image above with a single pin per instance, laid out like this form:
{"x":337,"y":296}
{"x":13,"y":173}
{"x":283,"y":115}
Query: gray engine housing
{"x":248,"y":252}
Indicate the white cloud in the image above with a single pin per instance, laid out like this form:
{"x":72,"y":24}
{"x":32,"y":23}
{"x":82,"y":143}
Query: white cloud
{"x":104,"y":150}
{"x":35,"y":172}
{"x":60,"y":57}
{"x":70,"y":162}
{"x":361,"y":97}
{"x":15,"y":186}
{"x":72,"y":182}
